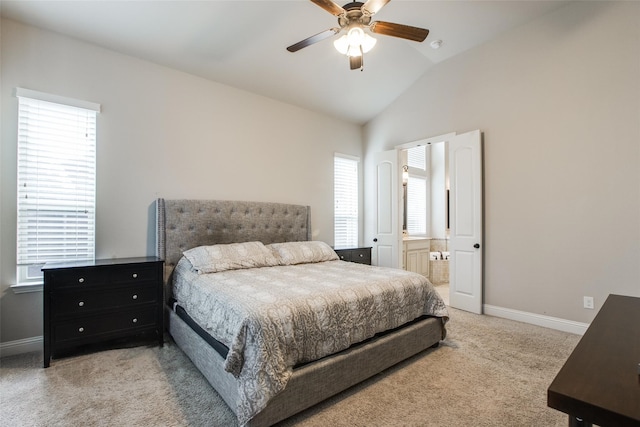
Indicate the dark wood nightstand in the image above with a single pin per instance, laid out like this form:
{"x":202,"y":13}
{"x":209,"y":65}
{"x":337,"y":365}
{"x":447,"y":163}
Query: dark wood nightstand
{"x":359,"y":255}
{"x":102,"y":300}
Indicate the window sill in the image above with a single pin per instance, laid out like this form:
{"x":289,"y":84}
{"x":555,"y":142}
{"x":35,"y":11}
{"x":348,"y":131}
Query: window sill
{"x":26,"y":288}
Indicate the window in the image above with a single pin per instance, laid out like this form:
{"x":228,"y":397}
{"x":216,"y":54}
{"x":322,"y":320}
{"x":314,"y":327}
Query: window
{"x":417,"y":191}
{"x":56,"y":182}
{"x":345,"y":201}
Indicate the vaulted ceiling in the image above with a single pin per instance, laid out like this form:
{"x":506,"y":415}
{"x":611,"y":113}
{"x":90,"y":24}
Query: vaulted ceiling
{"x":242,"y":43}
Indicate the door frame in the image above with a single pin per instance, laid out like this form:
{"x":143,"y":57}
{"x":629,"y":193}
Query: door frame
{"x":424,"y":141}
{"x":446,"y":138}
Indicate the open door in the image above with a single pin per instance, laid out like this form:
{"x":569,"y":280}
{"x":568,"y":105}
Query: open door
{"x":387,"y":237}
{"x":465,"y":239}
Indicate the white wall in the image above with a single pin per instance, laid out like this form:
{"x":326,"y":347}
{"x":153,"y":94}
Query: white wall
{"x":558,"y":101}
{"x":161,"y":133}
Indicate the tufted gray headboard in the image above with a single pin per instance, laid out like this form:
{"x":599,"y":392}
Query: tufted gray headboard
{"x":188,"y":223}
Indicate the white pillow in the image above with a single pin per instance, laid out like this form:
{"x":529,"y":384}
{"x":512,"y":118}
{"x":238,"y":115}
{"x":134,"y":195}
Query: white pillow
{"x":290,"y":253}
{"x":232,"y":256}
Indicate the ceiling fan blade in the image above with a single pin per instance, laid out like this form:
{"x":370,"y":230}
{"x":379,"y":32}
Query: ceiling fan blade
{"x":355,"y":62}
{"x":313,"y":39}
{"x":330,"y":7}
{"x":398,"y":30}
{"x":373,"y":6}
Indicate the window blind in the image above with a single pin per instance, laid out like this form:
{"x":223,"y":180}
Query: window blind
{"x":56,"y":183}
{"x":346,"y":201}
{"x":416,"y":157}
{"x":417,"y":205}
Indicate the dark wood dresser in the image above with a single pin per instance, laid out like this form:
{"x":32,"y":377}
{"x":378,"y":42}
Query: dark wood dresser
{"x":359,"y":255}
{"x":600,"y":381}
{"x":98,"y":301}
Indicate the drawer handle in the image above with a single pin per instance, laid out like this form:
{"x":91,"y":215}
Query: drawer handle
{"x":81,"y":304}
{"x":135,"y":275}
{"x":135,"y":297}
{"x":81,"y":280}
{"x":80,"y":329}
{"x":135,"y":320}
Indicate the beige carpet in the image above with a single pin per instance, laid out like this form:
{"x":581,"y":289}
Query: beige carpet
{"x":488,"y":372}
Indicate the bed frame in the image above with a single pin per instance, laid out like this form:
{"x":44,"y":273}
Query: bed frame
{"x":184,"y":224}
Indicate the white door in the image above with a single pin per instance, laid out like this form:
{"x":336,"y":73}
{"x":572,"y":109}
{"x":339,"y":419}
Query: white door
{"x":386,"y":242}
{"x":465,"y":240}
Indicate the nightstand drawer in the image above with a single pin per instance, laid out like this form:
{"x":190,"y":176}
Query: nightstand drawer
{"x":135,"y":274}
{"x":357,"y":255}
{"x":113,"y":323}
{"x":361,"y":256}
{"x":87,"y":301}
{"x":344,"y":255}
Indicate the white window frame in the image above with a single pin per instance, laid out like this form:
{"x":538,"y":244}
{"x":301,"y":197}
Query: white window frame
{"x":56,"y":180}
{"x":346,"y":200}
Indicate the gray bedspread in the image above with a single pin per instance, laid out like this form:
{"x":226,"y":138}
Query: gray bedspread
{"x":273,"y":318}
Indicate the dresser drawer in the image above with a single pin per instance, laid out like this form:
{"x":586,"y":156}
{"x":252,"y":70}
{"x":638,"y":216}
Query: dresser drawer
{"x":86,"y":301}
{"x":135,"y":273}
{"x":77,"y":278}
{"x":123,"y":322}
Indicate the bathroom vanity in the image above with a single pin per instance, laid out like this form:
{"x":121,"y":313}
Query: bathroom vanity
{"x":415,"y":254}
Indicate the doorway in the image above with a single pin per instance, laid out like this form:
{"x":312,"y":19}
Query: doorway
{"x":463,"y":165}
{"x":425,"y":211}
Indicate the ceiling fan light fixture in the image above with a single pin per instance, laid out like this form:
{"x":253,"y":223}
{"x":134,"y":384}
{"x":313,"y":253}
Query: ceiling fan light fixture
{"x":354,"y":18}
{"x":342,"y":45}
{"x":368,"y":43}
{"x":354,"y":51}
{"x":355,"y":35}
{"x":355,"y":42}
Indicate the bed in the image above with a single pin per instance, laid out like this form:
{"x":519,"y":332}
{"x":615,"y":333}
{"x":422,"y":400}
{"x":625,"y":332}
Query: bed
{"x":254,"y":358}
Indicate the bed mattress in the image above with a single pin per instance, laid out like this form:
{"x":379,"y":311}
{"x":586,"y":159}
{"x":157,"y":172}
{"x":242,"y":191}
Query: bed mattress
{"x":274,"y":318}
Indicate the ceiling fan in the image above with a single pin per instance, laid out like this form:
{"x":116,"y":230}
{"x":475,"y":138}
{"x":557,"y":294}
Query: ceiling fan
{"x":354,"y":17}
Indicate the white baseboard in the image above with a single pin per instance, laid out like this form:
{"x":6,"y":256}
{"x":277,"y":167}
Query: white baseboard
{"x":537,"y":319}
{"x":35,"y":343}
{"x":25,"y":345}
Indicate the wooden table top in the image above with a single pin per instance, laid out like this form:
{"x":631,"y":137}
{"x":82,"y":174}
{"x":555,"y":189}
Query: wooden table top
{"x":600,"y":381}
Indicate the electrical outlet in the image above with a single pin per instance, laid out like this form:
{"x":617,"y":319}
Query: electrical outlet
{"x":588,"y":302}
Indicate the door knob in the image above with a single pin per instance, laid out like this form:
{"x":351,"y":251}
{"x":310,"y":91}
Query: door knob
{"x":477,"y":246}
{"x":375,"y":239}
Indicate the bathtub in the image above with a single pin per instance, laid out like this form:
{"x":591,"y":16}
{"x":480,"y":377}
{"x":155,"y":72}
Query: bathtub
{"x":439,"y":267}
